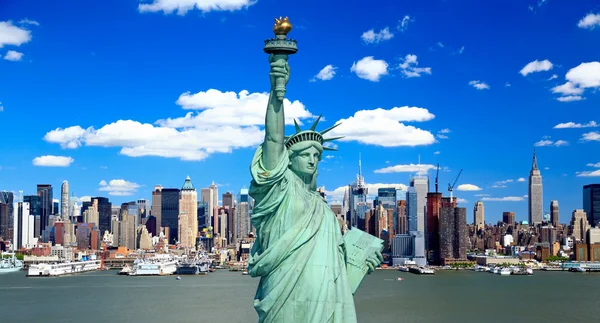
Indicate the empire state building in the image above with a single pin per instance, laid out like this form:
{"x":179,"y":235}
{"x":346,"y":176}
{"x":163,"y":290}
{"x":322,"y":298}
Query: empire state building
{"x":535,"y":194}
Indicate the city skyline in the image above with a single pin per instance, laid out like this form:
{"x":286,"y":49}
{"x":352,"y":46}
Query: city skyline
{"x":432,"y":76}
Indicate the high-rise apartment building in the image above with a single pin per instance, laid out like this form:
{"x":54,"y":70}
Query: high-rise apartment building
{"x":536,"y":210}
{"x":478,"y":215}
{"x":64,"y":200}
{"x":188,"y":207}
{"x":104,"y":214}
{"x":554,"y":213}
{"x":228,"y":200}
{"x":44,"y":191}
{"x":8,"y":199}
{"x":4,"y":221}
{"x":453,"y":234}
{"x":591,"y":203}
{"x":210,"y":195}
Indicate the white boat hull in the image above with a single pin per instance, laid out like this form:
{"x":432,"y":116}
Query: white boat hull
{"x":68,"y":268}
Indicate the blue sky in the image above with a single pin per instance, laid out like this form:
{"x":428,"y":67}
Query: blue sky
{"x":104,"y":88}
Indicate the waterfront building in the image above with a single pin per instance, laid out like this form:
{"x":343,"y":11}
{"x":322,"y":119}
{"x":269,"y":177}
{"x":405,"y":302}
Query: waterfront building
{"x":591,"y":203}
{"x":535,"y":196}
{"x":409,"y":247}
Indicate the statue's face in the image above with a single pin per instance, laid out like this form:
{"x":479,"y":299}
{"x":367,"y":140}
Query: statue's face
{"x":305,"y":161}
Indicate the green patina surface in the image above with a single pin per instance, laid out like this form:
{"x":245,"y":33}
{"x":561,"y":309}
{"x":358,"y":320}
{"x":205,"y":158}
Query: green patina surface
{"x":299,"y":253}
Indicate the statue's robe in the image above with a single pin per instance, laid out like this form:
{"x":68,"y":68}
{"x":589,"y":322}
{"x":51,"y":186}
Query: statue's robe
{"x":299,"y":253}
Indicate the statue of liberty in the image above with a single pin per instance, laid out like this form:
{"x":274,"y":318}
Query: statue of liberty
{"x":299,"y":252}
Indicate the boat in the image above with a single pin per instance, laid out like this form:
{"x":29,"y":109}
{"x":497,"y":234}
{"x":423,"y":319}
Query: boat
{"x":178,"y":278}
{"x":480,"y":268}
{"x":399,"y":278}
{"x":197,"y":266}
{"x":504,"y":271}
{"x":245,"y":272}
{"x":126,"y":270}
{"x":10,"y":265}
{"x":60,"y":269}
{"x":158,"y":265}
{"x":422,"y":270}
{"x":403,"y":269}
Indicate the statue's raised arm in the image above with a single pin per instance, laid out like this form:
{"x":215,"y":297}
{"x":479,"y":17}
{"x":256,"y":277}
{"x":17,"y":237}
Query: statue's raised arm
{"x":273,"y":145}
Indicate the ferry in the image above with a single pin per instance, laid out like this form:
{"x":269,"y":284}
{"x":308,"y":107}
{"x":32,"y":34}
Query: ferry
{"x":198,"y":266}
{"x":155,"y":266}
{"x":10,"y":265}
{"x":60,"y":269}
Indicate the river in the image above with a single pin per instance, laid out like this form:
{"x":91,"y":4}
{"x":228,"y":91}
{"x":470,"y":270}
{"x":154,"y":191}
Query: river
{"x":223,"y":296}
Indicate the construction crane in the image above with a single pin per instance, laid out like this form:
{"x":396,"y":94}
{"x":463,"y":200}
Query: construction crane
{"x":436,"y":177}
{"x":453,"y":183}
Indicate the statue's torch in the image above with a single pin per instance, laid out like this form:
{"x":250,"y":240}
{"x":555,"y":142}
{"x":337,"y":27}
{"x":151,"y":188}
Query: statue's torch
{"x":281,"y":47}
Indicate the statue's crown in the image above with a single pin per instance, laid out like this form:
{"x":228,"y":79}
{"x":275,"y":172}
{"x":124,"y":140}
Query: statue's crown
{"x":310,"y":135}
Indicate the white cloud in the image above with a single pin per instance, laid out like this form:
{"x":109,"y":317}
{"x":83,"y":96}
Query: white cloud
{"x":13,"y":35}
{"x":507,"y":84}
{"x":441,"y":136}
{"x":118,"y":187}
{"x":403,"y":24}
{"x":502,"y":184}
{"x":590,"y":21}
{"x":390,"y":130}
{"x":53,"y":161}
{"x":327,"y":73}
{"x":468,"y":187}
{"x":372,"y":37}
{"x":442,"y":133}
{"x":227,"y":121}
{"x":370,"y":69}
{"x":482,"y":195}
{"x":440,"y":45}
{"x":409,"y":67}
{"x":536,"y":66}
{"x":14,"y":56}
{"x":594,"y":165}
{"x":445,"y":130}
{"x":591,"y":136}
{"x":436,"y":153}
{"x":29,"y":22}
{"x":521,"y":179}
{"x":479,"y":85}
{"x":461,"y":50}
{"x":547,"y":142}
{"x":569,"y":98}
{"x":504,"y":199}
{"x":591,"y":124}
{"x":554,"y":76}
{"x":84,"y":199}
{"x":410,"y":168}
{"x":579,"y":78}
{"x":1,"y":107}
{"x":595,"y":173}
{"x":461,"y":200}
{"x":183,"y":6}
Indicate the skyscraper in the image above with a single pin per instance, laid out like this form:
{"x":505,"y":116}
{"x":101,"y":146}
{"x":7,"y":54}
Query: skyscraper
{"x":188,"y":205}
{"x":23,"y":225}
{"x":44,"y":191}
{"x":8,"y":199}
{"x":554,"y":213}
{"x":358,"y":200}
{"x":155,"y":209}
{"x":64,"y":200}
{"x":421,"y":185}
{"x":478,"y":215}
{"x":411,"y":209}
{"x":536,"y":210}
{"x":453,"y":234}
{"x":170,"y":212}
{"x":591,"y":203}
{"x":210,"y":195}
